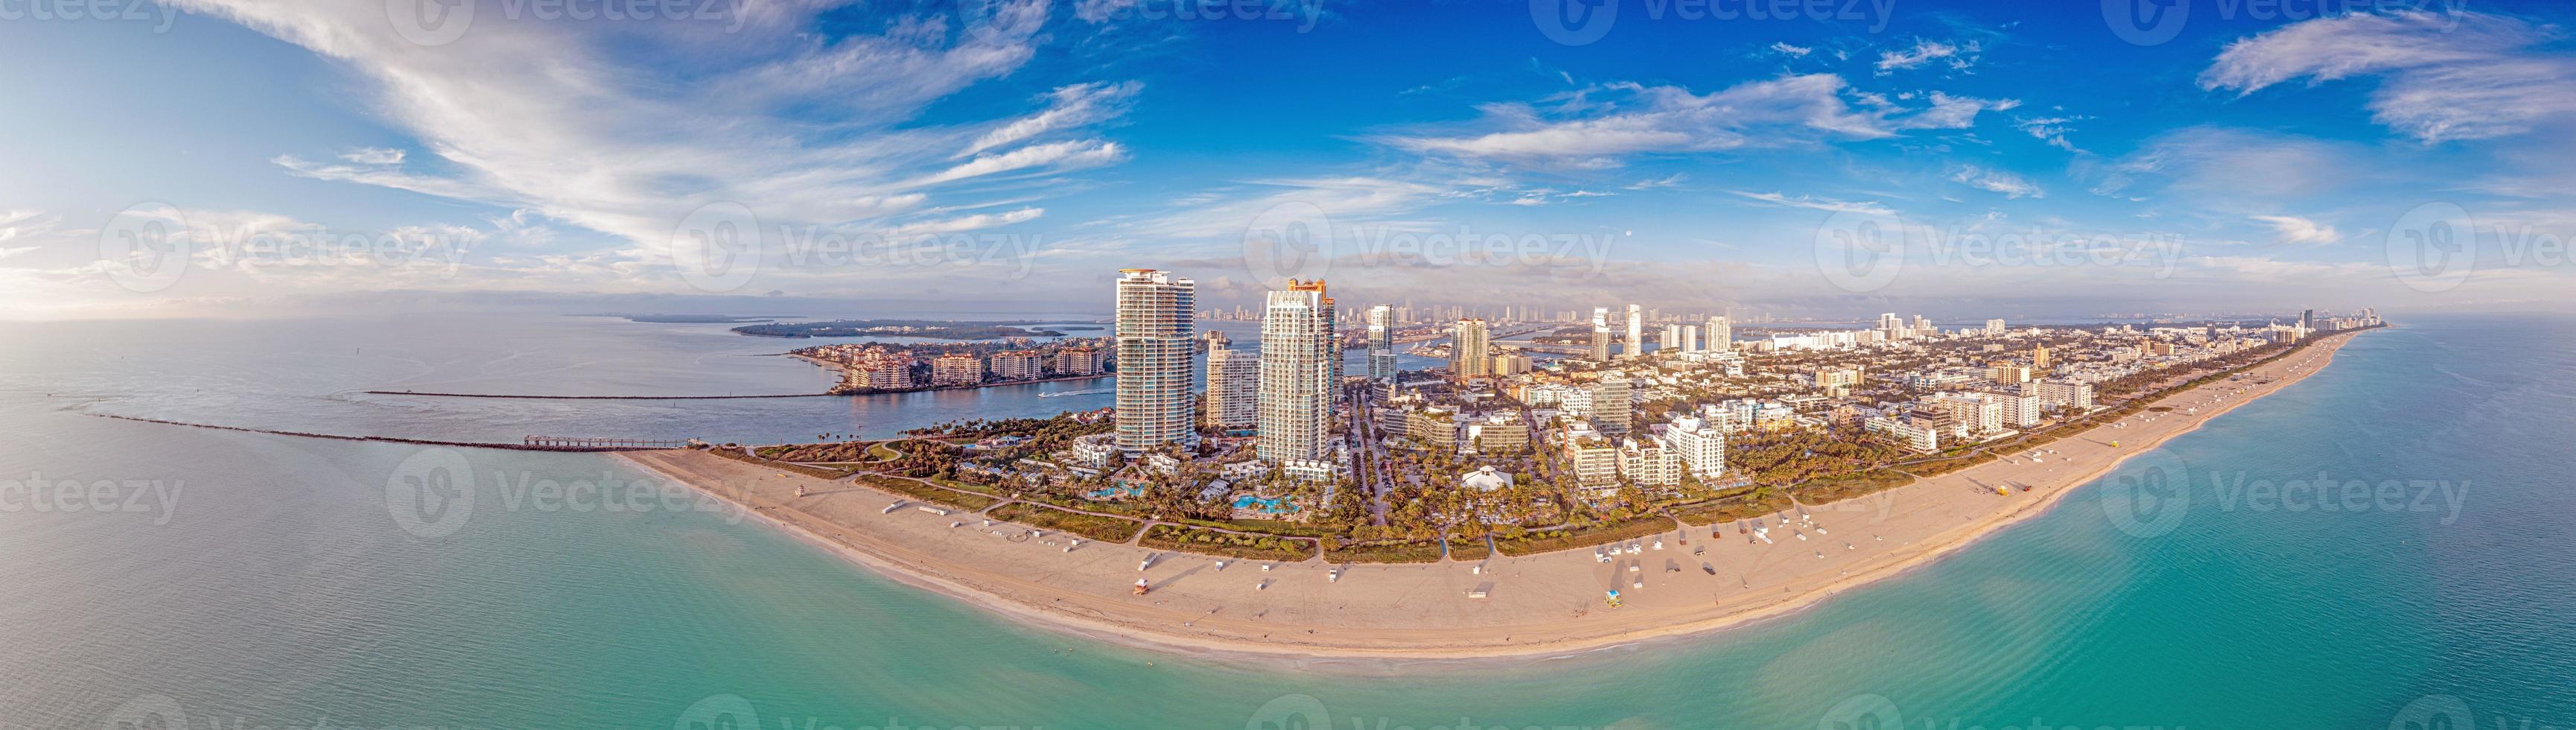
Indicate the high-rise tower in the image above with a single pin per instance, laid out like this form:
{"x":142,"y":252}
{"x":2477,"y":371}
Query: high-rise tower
{"x":1470,"y":349}
{"x":1381,"y":344}
{"x":1155,"y":326}
{"x":1299,"y":360}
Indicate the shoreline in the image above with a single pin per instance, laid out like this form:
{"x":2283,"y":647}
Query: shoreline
{"x":1546,"y":605}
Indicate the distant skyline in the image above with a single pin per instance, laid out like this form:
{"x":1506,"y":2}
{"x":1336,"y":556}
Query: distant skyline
{"x":335,"y":158}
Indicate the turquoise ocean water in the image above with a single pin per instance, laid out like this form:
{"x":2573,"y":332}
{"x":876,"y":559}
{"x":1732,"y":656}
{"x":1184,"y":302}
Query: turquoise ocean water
{"x":219,"y":579}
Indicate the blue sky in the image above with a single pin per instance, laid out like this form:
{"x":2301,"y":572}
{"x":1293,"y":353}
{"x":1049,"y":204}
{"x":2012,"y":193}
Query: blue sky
{"x":246,"y":157}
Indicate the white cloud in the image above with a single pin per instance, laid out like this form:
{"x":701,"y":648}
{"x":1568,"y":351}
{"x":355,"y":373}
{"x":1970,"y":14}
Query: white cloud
{"x":2052,"y":130}
{"x":1956,"y":56}
{"x":1662,"y":182}
{"x":2295,"y":230}
{"x":1999,"y":181}
{"x":1069,"y":106}
{"x":804,"y":127}
{"x":2444,"y":76}
{"x":1817,"y":203}
{"x":373,"y":156}
{"x":968,"y":223}
{"x":1783,"y":48}
{"x":1778,"y":112}
{"x":1061,"y":155}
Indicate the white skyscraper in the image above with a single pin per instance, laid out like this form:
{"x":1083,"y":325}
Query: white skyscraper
{"x":1381,"y":344}
{"x":1636,"y":331}
{"x":1297,"y":366}
{"x":1721,"y":333}
{"x":1600,"y":334}
{"x":1155,"y":329}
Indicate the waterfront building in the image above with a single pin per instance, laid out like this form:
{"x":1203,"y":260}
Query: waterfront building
{"x":2020,"y":410}
{"x":2069,"y":394}
{"x":1470,"y":349}
{"x":1918,"y":438}
{"x":1648,"y":464}
{"x":1721,"y":333}
{"x":1600,"y":334}
{"x":1233,"y":389}
{"x":1018,"y":365}
{"x":1699,"y":445}
{"x":956,"y":369}
{"x":1510,"y":363}
{"x":1155,"y":331}
{"x":1381,"y":344}
{"x":1592,"y":458}
{"x":1298,"y":364}
{"x":1079,"y":361}
{"x":1636,"y":331}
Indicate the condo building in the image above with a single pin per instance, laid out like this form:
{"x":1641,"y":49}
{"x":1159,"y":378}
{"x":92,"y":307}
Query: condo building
{"x":956,"y":369}
{"x":1156,"y":325}
{"x":1298,"y":362}
{"x":1381,"y":344}
{"x":1470,"y":349}
{"x":1233,"y":388}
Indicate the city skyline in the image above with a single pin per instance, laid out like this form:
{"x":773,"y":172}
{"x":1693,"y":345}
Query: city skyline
{"x":2239,"y":162}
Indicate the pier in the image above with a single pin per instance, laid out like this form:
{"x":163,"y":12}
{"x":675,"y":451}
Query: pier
{"x":565,"y":443}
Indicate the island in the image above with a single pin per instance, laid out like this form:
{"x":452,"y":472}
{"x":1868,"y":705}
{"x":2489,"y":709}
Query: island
{"x":926,"y":329}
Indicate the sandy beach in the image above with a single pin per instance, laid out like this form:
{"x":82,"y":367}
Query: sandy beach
{"x":1539,"y":605}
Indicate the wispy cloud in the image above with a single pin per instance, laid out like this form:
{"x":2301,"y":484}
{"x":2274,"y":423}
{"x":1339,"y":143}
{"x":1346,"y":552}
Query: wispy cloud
{"x":2444,"y":76}
{"x":1958,"y":56}
{"x":2295,"y":230}
{"x":1631,"y":119}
